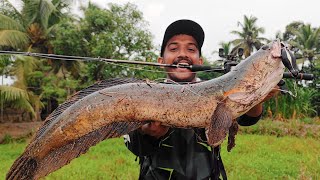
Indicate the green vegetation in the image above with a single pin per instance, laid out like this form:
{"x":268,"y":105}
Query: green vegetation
{"x":254,"y":157}
{"x":118,"y":32}
{"x":302,"y":128}
{"x":269,"y":157}
{"x":289,"y":107}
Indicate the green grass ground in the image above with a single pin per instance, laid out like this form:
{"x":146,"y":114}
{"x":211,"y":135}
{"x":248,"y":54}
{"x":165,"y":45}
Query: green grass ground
{"x":254,"y":157}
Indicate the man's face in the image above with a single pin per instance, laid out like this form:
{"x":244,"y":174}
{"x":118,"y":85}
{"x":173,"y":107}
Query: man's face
{"x":181,"y":49}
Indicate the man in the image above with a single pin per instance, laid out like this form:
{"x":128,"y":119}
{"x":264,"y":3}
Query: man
{"x":173,"y":153}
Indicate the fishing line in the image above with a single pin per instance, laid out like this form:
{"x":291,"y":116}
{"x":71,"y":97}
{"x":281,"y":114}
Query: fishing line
{"x":156,"y":71}
{"x":287,"y":91}
{"x":198,"y":68}
{"x":295,"y":88}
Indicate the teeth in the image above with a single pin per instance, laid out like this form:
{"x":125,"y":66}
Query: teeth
{"x":183,"y":64}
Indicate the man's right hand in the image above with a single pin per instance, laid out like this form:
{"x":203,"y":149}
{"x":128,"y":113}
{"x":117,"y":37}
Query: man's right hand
{"x":155,"y":129}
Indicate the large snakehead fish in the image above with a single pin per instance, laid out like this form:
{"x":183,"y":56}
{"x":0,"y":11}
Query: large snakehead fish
{"x":115,"y":107}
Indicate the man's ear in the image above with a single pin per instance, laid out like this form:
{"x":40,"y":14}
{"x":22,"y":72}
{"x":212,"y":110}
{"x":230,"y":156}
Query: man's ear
{"x":161,"y":60}
{"x":200,"y":61}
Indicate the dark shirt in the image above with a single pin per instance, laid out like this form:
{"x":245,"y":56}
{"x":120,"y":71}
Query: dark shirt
{"x":180,"y":154}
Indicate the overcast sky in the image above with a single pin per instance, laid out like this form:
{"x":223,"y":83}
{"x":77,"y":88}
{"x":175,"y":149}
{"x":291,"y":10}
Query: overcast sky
{"x":218,"y":18}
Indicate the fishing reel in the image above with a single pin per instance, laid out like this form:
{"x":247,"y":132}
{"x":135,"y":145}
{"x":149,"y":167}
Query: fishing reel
{"x":230,"y":60}
{"x":288,"y":59}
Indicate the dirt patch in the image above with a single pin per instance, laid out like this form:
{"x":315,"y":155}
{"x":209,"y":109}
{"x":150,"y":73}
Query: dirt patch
{"x":18,"y":130}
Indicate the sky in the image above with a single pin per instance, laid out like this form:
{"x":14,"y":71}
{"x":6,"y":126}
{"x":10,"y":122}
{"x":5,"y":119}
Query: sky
{"x":219,"y":18}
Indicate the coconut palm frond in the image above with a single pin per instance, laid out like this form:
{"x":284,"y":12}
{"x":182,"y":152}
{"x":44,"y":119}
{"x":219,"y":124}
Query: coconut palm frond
{"x":23,"y":66}
{"x":8,"y":23}
{"x":46,"y":9}
{"x":51,"y":30}
{"x":10,"y":93}
{"x":13,"y":38}
{"x":38,"y":11}
{"x":237,"y":33}
{"x":235,"y":42}
{"x":16,"y":98}
{"x":23,"y":104}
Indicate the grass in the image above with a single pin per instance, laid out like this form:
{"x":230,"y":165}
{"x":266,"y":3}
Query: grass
{"x":254,"y":157}
{"x":301,"y":128}
{"x":269,"y":157}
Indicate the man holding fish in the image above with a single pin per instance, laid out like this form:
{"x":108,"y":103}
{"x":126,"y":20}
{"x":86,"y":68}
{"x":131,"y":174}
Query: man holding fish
{"x":174,"y":153}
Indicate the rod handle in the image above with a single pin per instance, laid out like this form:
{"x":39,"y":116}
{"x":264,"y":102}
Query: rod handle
{"x":304,"y":76}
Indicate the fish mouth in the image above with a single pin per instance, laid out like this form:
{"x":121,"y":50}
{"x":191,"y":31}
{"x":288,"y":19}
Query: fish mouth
{"x":276,"y":49}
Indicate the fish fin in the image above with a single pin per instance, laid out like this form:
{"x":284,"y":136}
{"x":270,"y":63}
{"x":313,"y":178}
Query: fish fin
{"x":23,"y":169}
{"x":73,"y":149}
{"x":221,"y":121}
{"x":233,"y":130}
{"x":80,"y":95}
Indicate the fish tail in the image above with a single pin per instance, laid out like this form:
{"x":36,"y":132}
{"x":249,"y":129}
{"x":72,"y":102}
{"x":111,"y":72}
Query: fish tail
{"x":23,"y":168}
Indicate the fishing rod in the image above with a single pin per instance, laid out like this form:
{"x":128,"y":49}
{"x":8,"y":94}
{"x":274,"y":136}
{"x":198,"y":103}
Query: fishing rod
{"x":193,"y":68}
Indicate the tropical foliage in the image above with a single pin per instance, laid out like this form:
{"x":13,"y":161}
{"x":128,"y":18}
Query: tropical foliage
{"x":118,"y":32}
{"x":305,"y":41}
{"x":292,"y":105}
{"x":46,"y":26}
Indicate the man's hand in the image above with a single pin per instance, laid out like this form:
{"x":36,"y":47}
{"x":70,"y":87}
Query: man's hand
{"x":155,"y":129}
{"x":274,"y":92}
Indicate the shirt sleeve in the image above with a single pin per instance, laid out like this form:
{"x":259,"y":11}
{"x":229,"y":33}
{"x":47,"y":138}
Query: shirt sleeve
{"x":246,"y":120}
{"x":141,"y":144}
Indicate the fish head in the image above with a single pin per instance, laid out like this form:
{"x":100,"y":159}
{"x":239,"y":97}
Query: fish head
{"x":255,"y":77}
{"x":271,"y":68}
{"x":280,"y":50}
{"x":265,"y":66}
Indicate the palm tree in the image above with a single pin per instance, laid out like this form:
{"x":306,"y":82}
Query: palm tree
{"x":290,"y":28}
{"x":16,"y":98}
{"x":22,"y":68}
{"x":307,"y":40}
{"x":248,"y":36}
{"x":32,"y":27}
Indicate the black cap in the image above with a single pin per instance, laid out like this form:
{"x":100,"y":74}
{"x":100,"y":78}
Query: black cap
{"x":183,"y":26}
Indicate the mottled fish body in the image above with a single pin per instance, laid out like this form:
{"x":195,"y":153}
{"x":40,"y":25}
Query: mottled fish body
{"x":116,"y":107}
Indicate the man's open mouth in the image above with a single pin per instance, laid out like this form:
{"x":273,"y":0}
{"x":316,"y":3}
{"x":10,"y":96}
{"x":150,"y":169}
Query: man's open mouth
{"x":182,"y":62}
